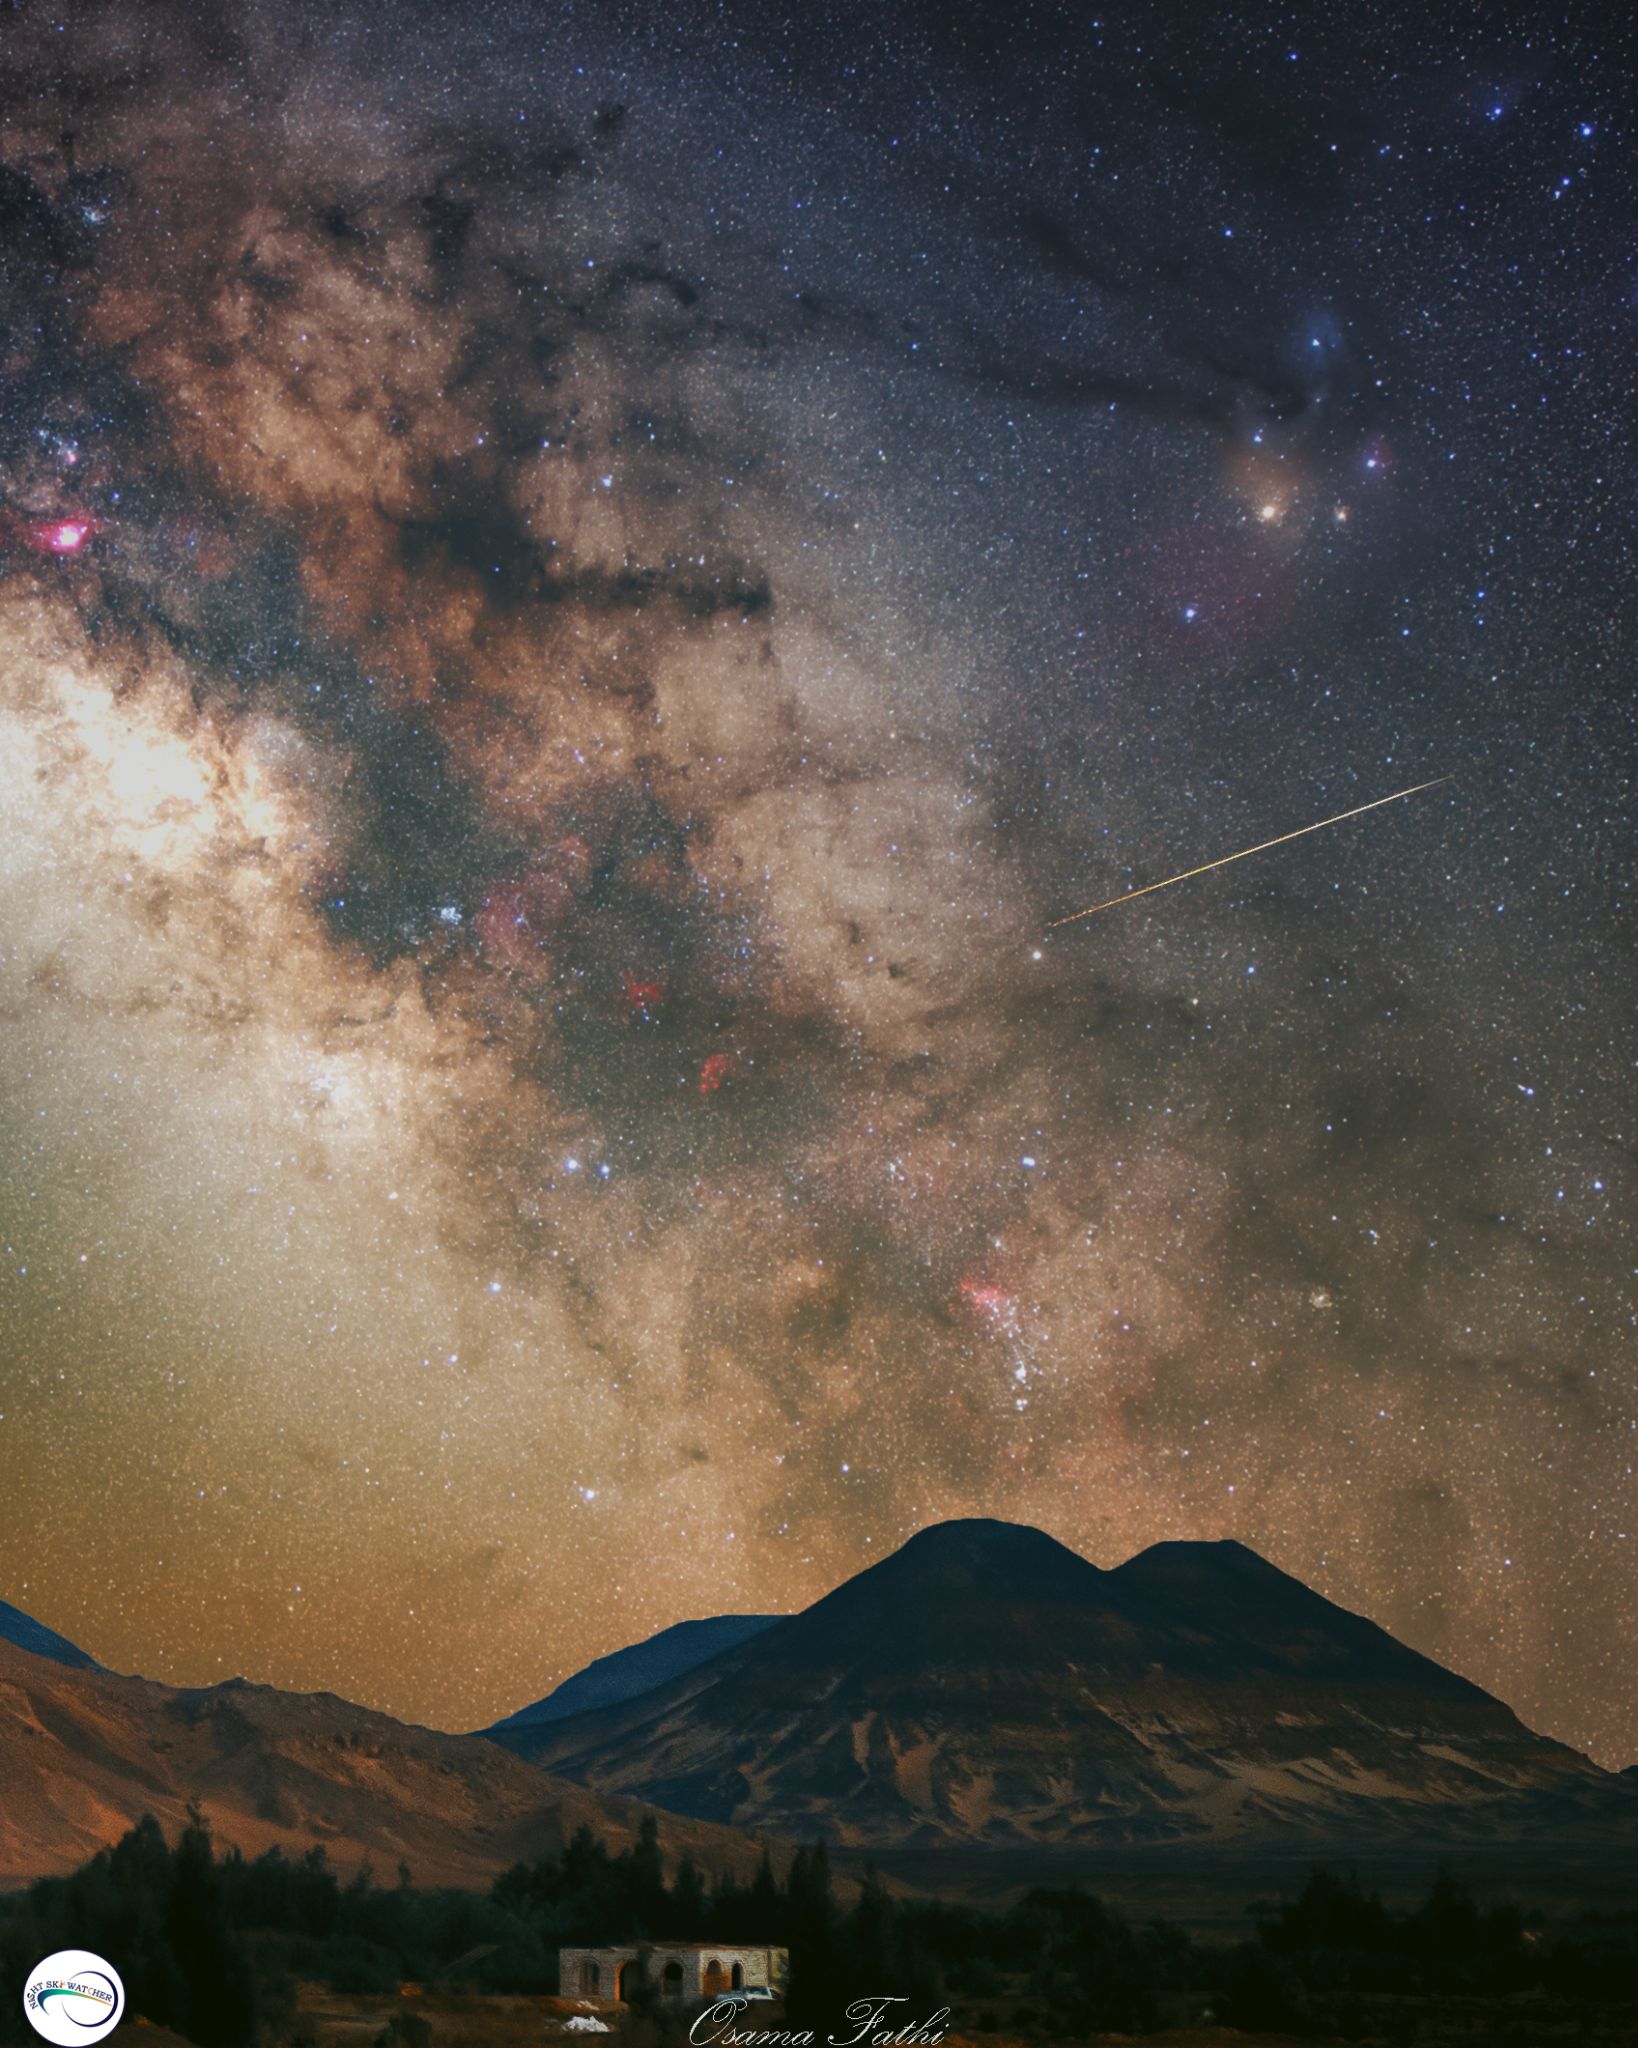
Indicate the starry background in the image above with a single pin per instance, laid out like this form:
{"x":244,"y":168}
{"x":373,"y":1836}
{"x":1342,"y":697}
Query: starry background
{"x":578,"y":586}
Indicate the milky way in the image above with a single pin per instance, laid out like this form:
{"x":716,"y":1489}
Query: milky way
{"x":577,"y":591}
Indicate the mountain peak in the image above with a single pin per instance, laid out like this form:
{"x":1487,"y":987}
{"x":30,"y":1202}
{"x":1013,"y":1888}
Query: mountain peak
{"x":1186,"y":1573}
{"x":29,"y":1634}
{"x":623,"y":1674}
{"x":986,"y":1685}
{"x":972,"y":1537}
{"x":1201,"y":1546}
{"x":1224,"y":1586}
{"x":1219,"y":1560}
{"x":974,"y":1560}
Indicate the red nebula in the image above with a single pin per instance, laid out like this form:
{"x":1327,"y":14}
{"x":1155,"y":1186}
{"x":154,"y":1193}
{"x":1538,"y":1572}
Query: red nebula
{"x":715,"y":1071}
{"x":518,"y":918}
{"x":984,"y":1297}
{"x":58,"y":536}
{"x":641,"y":996}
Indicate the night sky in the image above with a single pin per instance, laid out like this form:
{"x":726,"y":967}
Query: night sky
{"x":578,"y":587}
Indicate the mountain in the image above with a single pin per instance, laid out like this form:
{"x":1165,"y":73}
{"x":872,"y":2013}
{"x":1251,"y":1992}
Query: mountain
{"x":625,"y":1673}
{"x":29,"y":1634}
{"x":83,"y":1754}
{"x":986,"y":1686}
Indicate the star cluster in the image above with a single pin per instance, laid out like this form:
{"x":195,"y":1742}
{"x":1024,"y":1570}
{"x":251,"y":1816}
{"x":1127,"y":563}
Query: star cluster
{"x":578,"y":588}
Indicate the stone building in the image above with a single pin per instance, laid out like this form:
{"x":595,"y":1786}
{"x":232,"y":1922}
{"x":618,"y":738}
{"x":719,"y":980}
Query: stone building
{"x":686,"y":1971}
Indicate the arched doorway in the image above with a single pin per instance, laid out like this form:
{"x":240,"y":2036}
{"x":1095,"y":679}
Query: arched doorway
{"x":715,"y":1981}
{"x":631,"y":1976}
{"x":591,"y":1978}
{"x":738,"y":1975}
{"x":671,"y":1980}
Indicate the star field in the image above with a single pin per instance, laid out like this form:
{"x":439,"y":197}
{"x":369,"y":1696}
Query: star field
{"x":578,"y":588}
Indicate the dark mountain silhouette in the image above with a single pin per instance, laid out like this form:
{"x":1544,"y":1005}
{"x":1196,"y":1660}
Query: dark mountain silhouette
{"x":29,"y":1634}
{"x":84,"y":1754}
{"x":625,"y":1673}
{"x":985,"y":1686}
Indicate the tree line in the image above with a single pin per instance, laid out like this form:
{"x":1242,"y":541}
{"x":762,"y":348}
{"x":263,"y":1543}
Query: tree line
{"x":213,"y":1944}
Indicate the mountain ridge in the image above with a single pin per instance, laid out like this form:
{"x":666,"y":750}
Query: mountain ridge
{"x":29,"y":1634}
{"x":84,"y":1753}
{"x":984,"y":1685}
{"x":622,"y":1674}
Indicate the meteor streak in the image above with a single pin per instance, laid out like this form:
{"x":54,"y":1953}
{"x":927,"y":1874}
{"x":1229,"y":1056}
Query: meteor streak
{"x":1246,"y":852}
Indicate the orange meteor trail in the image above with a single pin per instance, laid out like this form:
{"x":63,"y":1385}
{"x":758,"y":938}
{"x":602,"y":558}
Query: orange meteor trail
{"x":1246,"y":853}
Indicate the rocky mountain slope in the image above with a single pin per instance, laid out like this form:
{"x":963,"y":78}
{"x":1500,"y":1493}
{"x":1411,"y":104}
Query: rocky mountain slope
{"x":83,"y":1754}
{"x":985,"y":1686}
{"x":625,"y":1673}
{"x":29,"y":1634}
